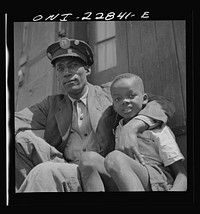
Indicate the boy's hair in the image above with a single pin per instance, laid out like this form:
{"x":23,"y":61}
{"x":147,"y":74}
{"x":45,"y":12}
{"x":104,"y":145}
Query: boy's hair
{"x":127,"y":76}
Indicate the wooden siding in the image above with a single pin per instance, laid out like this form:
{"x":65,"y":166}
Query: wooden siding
{"x":38,"y":80}
{"x":156,"y":53}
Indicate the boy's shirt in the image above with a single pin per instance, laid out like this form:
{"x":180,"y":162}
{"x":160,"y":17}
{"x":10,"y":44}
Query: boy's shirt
{"x":157,"y":146}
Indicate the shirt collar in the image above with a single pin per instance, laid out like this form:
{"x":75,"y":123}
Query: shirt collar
{"x":83,"y":98}
{"x":121,"y":123}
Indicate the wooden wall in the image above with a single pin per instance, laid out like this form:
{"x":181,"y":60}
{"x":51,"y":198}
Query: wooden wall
{"x":156,"y":51}
{"x":38,"y":78}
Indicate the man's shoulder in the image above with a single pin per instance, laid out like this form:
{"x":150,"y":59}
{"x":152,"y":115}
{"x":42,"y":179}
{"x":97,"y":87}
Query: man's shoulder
{"x":54,"y":100}
{"x":101,"y":90}
{"x":56,"y":97}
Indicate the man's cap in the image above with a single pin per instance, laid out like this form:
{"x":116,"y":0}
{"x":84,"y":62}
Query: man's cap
{"x":70,"y":47}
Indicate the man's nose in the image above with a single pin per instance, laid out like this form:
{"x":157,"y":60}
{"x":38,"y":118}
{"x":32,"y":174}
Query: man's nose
{"x":67,"y":72}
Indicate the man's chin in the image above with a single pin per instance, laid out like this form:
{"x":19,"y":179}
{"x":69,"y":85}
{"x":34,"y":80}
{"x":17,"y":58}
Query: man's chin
{"x":75,"y":90}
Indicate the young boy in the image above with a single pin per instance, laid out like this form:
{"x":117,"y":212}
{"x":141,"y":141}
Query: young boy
{"x":163,"y":169}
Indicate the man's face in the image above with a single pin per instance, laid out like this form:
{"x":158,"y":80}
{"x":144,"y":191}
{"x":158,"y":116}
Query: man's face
{"x":71,"y":73}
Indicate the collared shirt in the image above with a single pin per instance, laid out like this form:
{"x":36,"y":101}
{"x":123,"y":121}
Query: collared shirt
{"x":80,"y":109}
{"x":157,"y":146}
{"x":81,"y":134}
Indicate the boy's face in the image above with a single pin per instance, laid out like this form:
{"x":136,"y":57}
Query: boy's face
{"x":128,"y":97}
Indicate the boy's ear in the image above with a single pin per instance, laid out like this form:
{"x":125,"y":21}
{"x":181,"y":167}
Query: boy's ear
{"x":114,"y":108}
{"x":145,"y":99}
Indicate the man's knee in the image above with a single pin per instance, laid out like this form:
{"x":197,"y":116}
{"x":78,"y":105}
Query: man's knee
{"x":50,"y":176}
{"x":42,"y":169}
{"x":88,"y":159}
{"x":54,"y":168}
{"x":114,"y":162}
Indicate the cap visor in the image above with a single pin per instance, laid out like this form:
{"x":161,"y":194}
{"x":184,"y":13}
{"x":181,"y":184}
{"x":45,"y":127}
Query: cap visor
{"x":66,"y":55}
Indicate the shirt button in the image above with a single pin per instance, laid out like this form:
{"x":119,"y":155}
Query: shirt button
{"x":84,"y":149}
{"x":85,"y":134}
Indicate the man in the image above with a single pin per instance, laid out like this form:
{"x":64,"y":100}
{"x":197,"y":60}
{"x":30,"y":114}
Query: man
{"x":80,"y":120}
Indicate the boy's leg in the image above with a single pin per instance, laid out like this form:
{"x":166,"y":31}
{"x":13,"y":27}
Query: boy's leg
{"x":128,"y":174}
{"x":93,"y":173}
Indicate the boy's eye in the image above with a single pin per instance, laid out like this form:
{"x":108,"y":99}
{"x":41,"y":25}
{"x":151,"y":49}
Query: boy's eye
{"x":131,"y":95}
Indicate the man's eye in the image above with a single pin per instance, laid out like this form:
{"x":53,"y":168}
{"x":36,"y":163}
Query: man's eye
{"x":72,"y":65}
{"x":116,"y":99}
{"x":60,"y":69}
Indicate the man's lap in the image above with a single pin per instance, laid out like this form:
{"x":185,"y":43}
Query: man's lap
{"x":52,"y":177}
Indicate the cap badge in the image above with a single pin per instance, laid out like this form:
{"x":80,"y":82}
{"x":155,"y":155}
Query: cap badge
{"x":64,"y":43}
{"x":76,"y":42}
{"x":69,"y":51}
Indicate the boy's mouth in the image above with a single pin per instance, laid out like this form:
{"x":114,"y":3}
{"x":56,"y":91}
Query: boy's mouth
{"x":126,"y":110}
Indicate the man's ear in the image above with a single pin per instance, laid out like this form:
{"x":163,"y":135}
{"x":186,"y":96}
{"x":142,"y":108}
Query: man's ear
{"x":88,"y":70}
{"x":145,"y":99}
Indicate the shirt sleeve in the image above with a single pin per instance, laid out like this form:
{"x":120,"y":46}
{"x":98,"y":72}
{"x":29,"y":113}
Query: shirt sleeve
{"x":168,"y":148}
{"x":152,"y":123}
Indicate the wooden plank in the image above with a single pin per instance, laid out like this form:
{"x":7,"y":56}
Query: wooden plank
{"x":39,"y":68}
{"x":182,"y":143}
{"x":80,"y":31}
{"x":180,"y":42}
{"x":134,"y":48}
{"x":34,"y":92}
{"x":40,"y":35}
{"x":38,"y":72}
{"x":18,"y":35}
{"x":169,"y":70}
{"x":153,"y":55}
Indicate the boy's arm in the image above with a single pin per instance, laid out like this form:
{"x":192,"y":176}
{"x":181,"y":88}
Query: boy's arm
{"x":180,"y":182}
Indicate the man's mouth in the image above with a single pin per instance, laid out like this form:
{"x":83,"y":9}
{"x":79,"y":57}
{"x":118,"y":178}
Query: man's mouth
{"x":73,"y":81}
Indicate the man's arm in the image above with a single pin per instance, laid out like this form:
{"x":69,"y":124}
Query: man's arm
{"x":32,"y":118}
{"x":158,"y":110}
{"x":180,"y":182}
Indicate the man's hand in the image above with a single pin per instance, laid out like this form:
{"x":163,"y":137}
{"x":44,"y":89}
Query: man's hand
{"x":128,"y":139}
